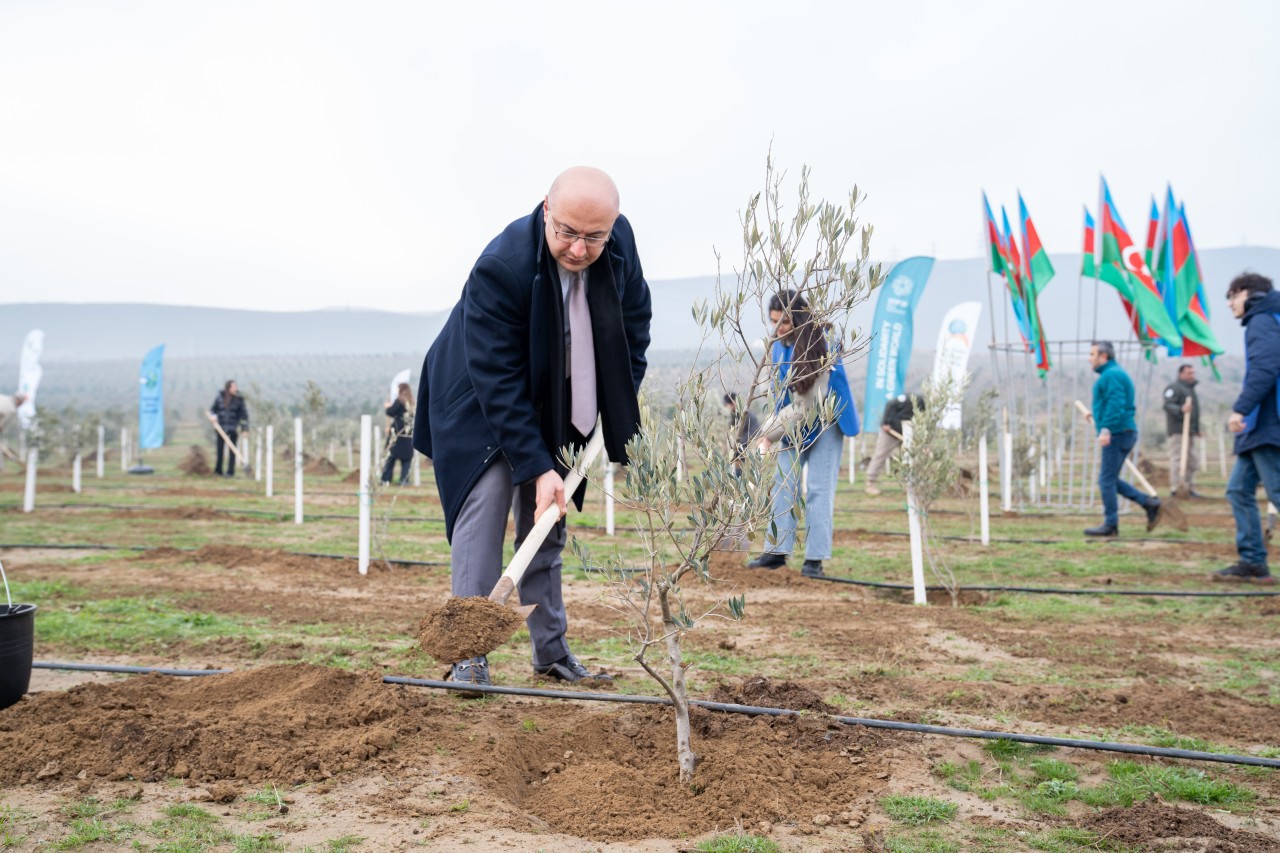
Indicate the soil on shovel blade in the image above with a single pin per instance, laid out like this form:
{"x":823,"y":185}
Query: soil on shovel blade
{"x":465,"y":628}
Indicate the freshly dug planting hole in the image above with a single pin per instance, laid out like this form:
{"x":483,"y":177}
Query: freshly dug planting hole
{"x":465,"y":628}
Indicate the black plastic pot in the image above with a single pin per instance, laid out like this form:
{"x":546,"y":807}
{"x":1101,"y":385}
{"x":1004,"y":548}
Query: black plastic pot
{"x":17,"y":640}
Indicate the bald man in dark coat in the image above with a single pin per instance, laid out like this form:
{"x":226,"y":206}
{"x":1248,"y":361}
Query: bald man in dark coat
{"x":496,"y":404}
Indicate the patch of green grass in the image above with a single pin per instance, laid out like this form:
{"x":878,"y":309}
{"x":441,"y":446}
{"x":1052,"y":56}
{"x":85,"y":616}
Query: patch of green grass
{"x":1131,"y":782}
{"x":915,"y":810}
{"x":737,"y":842}
{"x":343,"y":844}
{"x":87,"y":830}
{"x":1053,"y":769}
{"x":925,"y":841}
{"x":1003,"y":749}
{"x":1070,"y":840}
{"x":255,"y":843}
{"x":131,"y":624}
{"x":10,"y":819}
{"x":186,"y":828}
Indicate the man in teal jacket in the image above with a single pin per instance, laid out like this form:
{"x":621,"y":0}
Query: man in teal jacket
{"x":1112,"y":417}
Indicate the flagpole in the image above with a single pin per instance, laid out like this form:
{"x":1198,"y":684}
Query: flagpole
{"x":1075,"y":391}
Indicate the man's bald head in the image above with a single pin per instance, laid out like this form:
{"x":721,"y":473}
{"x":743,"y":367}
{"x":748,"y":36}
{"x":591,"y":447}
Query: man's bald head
{"x":582,"y":203}
{"x":584,"y":183}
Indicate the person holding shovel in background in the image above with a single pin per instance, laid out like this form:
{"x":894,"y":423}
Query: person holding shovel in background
{"x":227,"y":414}
{"x":400,"y":438}
{"x":551,"y":330}
{"x":1112,"y":417}
{"x":900,"y":408}
{"x":1182,"y":417}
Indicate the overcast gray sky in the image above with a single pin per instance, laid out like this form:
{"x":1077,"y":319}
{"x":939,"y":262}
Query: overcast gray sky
{"x":302,"y":155}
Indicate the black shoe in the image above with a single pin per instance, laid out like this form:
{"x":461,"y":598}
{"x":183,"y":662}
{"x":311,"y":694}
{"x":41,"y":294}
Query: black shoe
{"x":471,"y":671}
{"x":1243,"y":572}
{"x":1194,"y":494}
{"x":812,"y":569}
{"x":1103,"y":530}
{"x":768,"y":561}
{"x":569,"y":668}
{"x":1153,"y":514}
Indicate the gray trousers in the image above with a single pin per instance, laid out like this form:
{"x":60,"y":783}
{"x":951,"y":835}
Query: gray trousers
{"x":885,"y":445}
{"x":476,"y":556}
{"x":1175,"y":461}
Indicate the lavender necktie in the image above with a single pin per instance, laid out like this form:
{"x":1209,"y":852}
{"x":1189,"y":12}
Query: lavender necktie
{"x":582,"y":359}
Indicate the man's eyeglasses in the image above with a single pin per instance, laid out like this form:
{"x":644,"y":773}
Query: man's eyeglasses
{"x":570,"y":237}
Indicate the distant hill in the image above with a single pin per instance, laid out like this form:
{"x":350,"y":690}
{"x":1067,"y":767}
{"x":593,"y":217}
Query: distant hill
{"x":94,"y":332}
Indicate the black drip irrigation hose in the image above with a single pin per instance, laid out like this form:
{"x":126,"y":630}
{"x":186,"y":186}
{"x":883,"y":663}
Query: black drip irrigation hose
{"x":749,"y":710}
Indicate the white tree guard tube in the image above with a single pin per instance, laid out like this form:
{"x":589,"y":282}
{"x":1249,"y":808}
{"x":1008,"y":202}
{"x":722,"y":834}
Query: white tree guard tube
{"x":417,"y":468}
{"x":366,"y":442}
{"x":984,"y":509}
{"x":271,"y":459}
{"x":257,"y":457}
{"x":913,"y":525}
{"x":853,"y":459}
{"x":1006,"y":470}
{"x":608,"y":497}
{"x":102,"y":449}
{"x":75,"y":474}
{"x":29,"y":493}
{"x":297,"y":470}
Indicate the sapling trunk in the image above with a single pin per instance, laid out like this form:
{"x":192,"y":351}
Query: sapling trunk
{"x":675,"y":686}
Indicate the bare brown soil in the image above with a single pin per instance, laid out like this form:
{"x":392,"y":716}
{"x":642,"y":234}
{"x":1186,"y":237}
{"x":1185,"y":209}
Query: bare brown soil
{"x":196,"y":462}
{"x":402,"y":766}
{"x":465,"y":628}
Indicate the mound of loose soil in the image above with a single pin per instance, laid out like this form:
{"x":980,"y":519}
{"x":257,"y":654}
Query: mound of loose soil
{"x":1164,"y":827}
{"x":591,"y":772}
{"x":465,"y":628}
{"x":196,"y":462}
{"x":293,"y":723}
{"x":321,"y":466}
{"x":766,"y":693}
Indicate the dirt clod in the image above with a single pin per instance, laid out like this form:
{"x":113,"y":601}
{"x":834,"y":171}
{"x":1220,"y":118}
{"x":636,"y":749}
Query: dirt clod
{"x":195,"y":462}
{"x":465,"y":628}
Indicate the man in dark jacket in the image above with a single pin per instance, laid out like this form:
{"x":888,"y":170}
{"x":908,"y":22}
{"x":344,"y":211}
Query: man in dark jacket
{"x":519,"y":371}
{"x":1256,"y":422}
{"x":1180,"y":400}
{"x":1112,"y":417}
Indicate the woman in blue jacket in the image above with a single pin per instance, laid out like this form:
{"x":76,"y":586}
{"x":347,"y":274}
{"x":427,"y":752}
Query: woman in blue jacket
{"x":806,"y":376}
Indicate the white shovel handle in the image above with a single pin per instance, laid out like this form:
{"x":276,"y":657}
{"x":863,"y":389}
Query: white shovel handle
{"x":520,"y":562}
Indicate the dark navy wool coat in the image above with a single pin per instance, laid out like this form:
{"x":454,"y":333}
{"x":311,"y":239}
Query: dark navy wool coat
{"x":1257,"y":400}
{"x":494,"y":380}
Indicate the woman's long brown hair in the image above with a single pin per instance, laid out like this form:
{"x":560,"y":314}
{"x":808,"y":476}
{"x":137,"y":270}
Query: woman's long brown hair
{"x":810,"y":341}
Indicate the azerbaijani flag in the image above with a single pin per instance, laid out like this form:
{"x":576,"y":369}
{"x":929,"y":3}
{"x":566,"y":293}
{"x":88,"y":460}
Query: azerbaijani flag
{"x":1013,"y":277}
{"x":1122,"y":262}
{"x":1153,"y":227}
{"x":993,"y":238}
{"x":1089,"y":266}
{"x":1039,"y":270}
{"x":1193,"y":314}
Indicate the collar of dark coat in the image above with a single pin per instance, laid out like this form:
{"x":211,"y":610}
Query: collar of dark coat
{"x":619,"y":409}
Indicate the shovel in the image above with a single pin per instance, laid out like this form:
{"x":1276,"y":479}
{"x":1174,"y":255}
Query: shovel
{"x":520,"y":562}
{"x":228,"y":441}
{"x":1184,"y":489}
